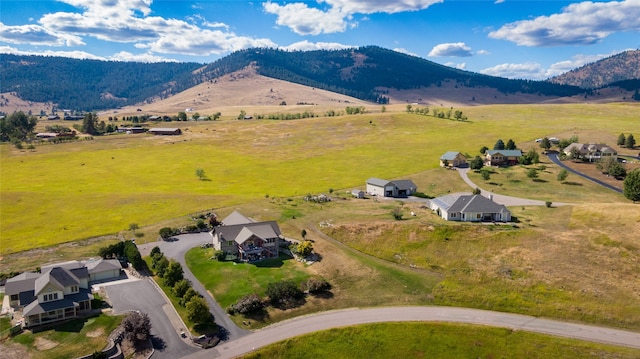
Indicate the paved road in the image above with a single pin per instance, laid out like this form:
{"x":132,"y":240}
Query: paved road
{"x":342,"y":318}
{"x":554,"y":158}
{"x":502,"y":199}
{"x":177,"y":250}
{"x":143,"y":296}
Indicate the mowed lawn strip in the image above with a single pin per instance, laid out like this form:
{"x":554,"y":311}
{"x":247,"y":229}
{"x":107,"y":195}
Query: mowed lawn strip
{"x":435,"y":340}
{"x":98,"y":187}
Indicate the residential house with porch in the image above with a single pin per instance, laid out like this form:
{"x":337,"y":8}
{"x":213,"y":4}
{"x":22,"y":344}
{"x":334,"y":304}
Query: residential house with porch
{"x":59,"y":292}
{"x":384,"y":188}
{"x":469,"y":208}
{"x":591,"y":151}
{"x":248,"y":240}
{"x":502,"y":157}
{"x":453,"y":159}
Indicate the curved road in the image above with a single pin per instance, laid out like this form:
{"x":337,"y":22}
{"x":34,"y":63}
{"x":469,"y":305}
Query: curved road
{"x":342,"y":318}
{"x":554,"y":158}
{"x":502,"y":199}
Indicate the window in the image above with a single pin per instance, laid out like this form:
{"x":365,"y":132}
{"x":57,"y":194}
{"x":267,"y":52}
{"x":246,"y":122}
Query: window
{"x":478,"y":215}
{"x":453,"y":215}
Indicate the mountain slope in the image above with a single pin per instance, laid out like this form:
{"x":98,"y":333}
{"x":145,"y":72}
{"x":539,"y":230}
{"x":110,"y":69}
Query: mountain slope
{"x":619,"y":67}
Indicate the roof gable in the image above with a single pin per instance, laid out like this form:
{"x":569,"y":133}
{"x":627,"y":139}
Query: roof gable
{"x":450,"y":156}
{"x":404,"y":184}
{"x":377,"y":182}
{"x":506,"y":153}
{"x":236,"y":218}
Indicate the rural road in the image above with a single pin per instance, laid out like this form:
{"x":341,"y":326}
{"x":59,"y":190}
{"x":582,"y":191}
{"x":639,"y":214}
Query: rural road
{"x":554,"y":158}
{"x":342,"y":318}
{"x":502,"y":199}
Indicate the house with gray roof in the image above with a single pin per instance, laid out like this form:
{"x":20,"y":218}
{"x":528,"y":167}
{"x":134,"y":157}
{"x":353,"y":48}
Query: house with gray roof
{"x":502,"y":157}
{"x":248,"y":240}
{"x":469,"y":208}
{"x":60,"y":291}
{"x":591,"y":151}
{"x":384,"y":188}
{"x":453,"y":159}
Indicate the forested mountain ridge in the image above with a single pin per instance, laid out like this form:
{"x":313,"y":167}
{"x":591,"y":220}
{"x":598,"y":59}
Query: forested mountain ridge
{"x":86,"y":85}
{"x":620,"y":67}
{"x":366,"y":73}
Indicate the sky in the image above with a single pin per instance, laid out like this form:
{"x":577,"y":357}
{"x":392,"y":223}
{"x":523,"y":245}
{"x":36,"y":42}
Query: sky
{"x":509,"y":38}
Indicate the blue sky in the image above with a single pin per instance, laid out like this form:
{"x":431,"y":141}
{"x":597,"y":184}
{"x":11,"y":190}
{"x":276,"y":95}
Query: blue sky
{"x":509,"y":38}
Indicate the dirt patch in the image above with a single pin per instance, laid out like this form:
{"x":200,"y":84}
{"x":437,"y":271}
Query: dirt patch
{"x":96,"y":333}
{"x":13,"y":351}
{"x":45,"y":344}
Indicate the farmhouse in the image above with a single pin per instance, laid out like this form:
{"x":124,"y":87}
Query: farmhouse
{"x":384,"y":188}
{"x":469,"y":208}
{"x":248,"y":240}
{"x":453,"y":159}
{"x":165,"y":131}
{"x":502,"y":157}
{"x":591,"y":151}
{"x":59,"y":292}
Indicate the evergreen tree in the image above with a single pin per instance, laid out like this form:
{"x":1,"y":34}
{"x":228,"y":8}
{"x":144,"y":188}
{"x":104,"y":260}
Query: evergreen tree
{"x":476,"y":163}
{"x":89,"y":124}
{"x":630,"y":142}
{"x":621,"y":140}
{"x":499,"y":145}
{"x":510,"y":145}
{"x":632,"y":185}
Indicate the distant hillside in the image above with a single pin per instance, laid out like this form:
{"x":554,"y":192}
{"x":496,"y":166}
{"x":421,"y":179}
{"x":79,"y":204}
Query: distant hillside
{"x":619,"y":67}
{"x":366,"y":72}
{"x":89,"y":84}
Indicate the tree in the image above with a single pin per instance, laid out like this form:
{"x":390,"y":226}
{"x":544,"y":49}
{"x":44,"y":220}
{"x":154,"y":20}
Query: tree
{"x":562,"y":175}
{"x":173,"y":274}
{"x":90,"y":123}
{"x":317,"y":285}
{"x":530,"y":157}
{"x":137,"y":327}
{"x":303,"y":233}
{"x":545,"y":144}
{"x":477,"y":191}
{"x":617,"y":170}
{"x":510,"y":145}
{"x":198,"y":311}
{"x":195,"y":116}
{"x":499,"y":145}
{"x":216,"y":116}
{"x":17,"y":126}
{"x":201,"y":175}
{"x":397,"y":213}
{"x":133,"y":255}
{"x":303,"y":248}
{"x":476,"y":163}
{"x":483,"y":149}
{"x":155,"y":250}
{"x":632,"y":185}
{"x":409,"y":108}
{"x":188,"y":295}
{"x":166,"y":232}
{"x":181,"y":287}
{"x":621,"y":140}
{"x":242,"y":115}
{"x":532,"y":173}
{"x":133,"y":227}
{"x":182,"y":116}
{"x":630,"y":142}
{"x":485,"y":175}
{"x":247,"y":304}
{"x":383,"y":109}
{"x":162,"y":264}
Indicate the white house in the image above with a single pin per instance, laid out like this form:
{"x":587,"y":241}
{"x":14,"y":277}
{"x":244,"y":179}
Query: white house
{"x":469,"y":208}
{"x":384,"y":188}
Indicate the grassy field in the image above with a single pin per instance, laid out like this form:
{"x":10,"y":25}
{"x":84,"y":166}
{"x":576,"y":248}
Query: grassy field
{"x":69,"y":340}
{"x":67,"y":192}
{"x":435,"y":340}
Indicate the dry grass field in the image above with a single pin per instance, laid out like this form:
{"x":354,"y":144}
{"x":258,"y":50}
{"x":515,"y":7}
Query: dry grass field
{"x":578,"y":262}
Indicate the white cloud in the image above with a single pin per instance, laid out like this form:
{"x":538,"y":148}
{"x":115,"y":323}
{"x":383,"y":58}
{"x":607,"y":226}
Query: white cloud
{"x":578,"y":24}
{"x":460,"y":66}
{"x":498,"y":1}
{"x":128,"y":21}
{"x":72,"y":54}
{"x":405,"y":51}
{"x":483,"y":52}
{"x":129,"y":57}
{"x":530,"y":70}
{"x":305,"y":20}
{"x":37,"y":35}
{"x":310,"y":46}
{"x":454,"y":49}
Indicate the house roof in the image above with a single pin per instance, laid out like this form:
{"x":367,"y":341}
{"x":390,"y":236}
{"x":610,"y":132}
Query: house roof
{"x":164,"y":129}
{"x":235,"y":218}
{"x":404,"y":184}
{"x":235,"y":232}
{"x":58,"y":276}
{"x":465,"y":203}
{"x":585,"y":148}
{"x":506,"y":153}
{"x":377,"y":182}
{"x":21,"y":283}
{"x":101,"y":265}
{"x":449,"y":156}
{"x":68,"y":301}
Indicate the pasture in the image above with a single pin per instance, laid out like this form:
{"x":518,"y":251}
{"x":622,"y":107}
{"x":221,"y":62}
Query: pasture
{"x":66,"y":192}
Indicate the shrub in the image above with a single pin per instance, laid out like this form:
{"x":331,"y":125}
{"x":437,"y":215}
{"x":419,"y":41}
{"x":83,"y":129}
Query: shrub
{"x":317,"y":285}
{"x":303,"y":248}
{"x":220,"y":256}
{"x":137,"y":327}
{"x":247,"y":304}
{"x":397,"y":213}
{"x":283,"y":293}
{"x":190,"y":293}
{"x":181,"y":287}
{"x":166,"y":232}
{"x":198,"y":311}
{"x":548,"y":204}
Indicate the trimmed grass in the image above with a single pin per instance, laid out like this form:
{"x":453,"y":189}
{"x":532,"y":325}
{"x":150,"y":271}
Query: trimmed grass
{"x":435,"y":340}
{"x":98,"y":187}
{"x":69,"y":340}
{"x":247,"y":278}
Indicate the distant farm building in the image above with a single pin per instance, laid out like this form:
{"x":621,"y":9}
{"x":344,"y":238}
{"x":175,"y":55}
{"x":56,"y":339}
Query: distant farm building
{"x":384,"y":188}
{"x":502,"y":157}
{"x":162,"y":131}
{"x":453,"y":159}
{"x":357,"y":193}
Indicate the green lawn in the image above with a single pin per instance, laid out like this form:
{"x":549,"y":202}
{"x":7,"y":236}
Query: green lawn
{"x":66,"y":192}
{"x":70,"y":340}
{"x":229,"y":281}
{"x":435,"y":340}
